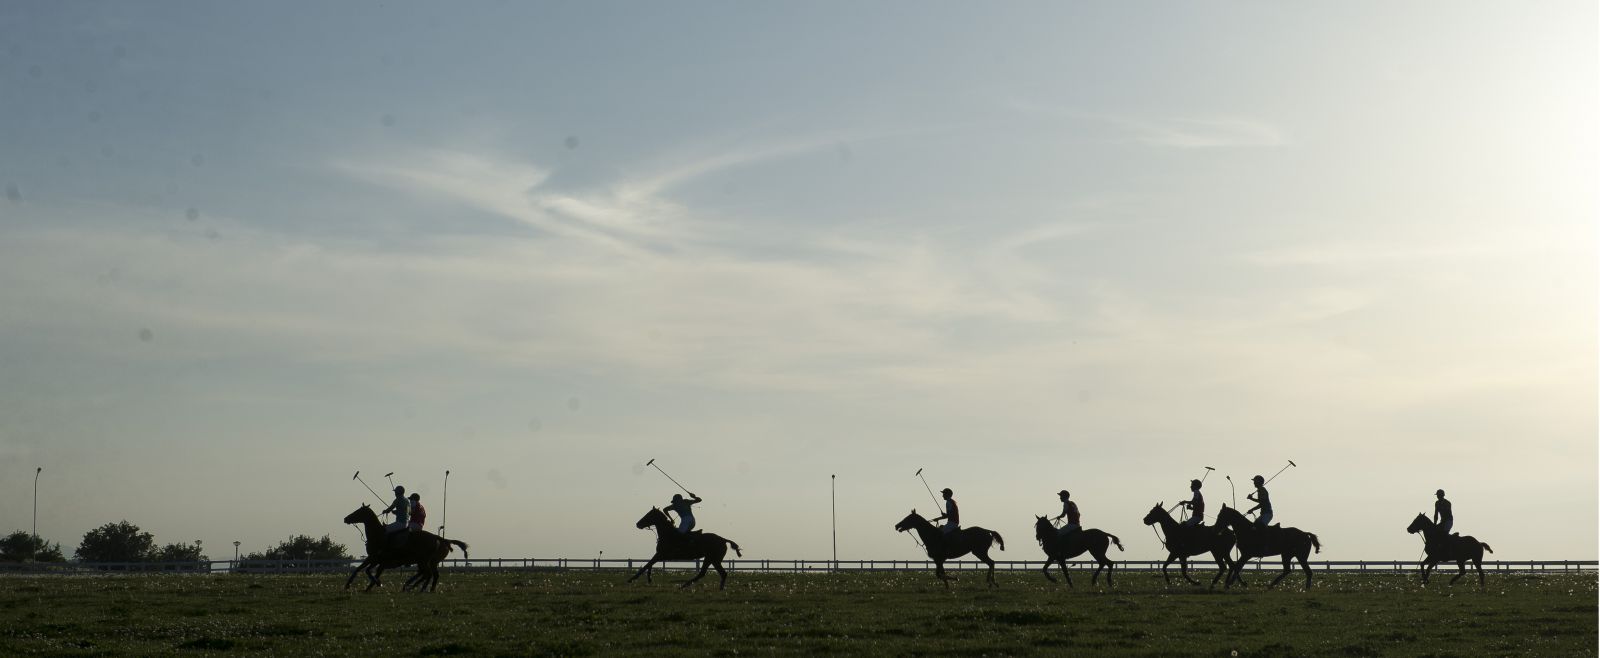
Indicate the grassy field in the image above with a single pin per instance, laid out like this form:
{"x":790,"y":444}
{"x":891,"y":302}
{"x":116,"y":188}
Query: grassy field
{"x":581,"y":613}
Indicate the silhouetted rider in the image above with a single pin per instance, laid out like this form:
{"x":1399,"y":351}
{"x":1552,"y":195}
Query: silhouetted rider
{"x":1263,"y":502}
{"x":1069,"y":509}
{"x":396,"y":532}
{"x":419,"y":515}
{"x":952,"y":512}
{"x":1442,"y":514}
{"x":1196,"y":505}
{"x":680,"y":506}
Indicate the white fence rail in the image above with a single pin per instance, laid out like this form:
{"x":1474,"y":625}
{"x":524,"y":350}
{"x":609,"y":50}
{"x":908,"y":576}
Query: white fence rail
{"x":748,"y":565}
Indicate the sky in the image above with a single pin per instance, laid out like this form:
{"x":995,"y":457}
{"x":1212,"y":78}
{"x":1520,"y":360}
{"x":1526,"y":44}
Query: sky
{"x":794,"y":253}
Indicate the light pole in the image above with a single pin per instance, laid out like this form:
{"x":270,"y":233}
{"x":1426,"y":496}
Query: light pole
{"x":833,"y":495}
{"x":444,"y":512}
{"x":235,"y":566}
{"x":33,"y":548}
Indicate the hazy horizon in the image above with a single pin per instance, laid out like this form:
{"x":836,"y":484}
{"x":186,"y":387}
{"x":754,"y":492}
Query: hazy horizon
{"x":1026,"y":247}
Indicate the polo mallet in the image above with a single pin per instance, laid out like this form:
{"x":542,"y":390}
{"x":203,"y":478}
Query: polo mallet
{"x":444,"y":517}
{"x":1280,"y":471}
{"x":1207,"y":474}
{"x":930,"y":489}
{"x":1233,"y":491}
{"x":390,"y":475}
{"x":357,"y":478}
{"x":652,"y":462}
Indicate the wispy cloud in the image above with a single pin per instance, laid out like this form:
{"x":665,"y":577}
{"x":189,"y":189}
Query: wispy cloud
{"x":1188,"y":133}
{"x":1182,"y":132}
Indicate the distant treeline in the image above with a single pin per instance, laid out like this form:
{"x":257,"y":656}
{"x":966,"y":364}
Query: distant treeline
{"x":125,"y":542}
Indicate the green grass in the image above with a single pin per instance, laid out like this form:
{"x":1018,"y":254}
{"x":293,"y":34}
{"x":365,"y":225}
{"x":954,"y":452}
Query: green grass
{"x":585,"y":613}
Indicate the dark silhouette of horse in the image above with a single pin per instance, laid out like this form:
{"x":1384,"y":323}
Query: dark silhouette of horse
{"x":672,"y":545}
{"x":422,"y":548}
{"x":1184,"y":541}
{"x":1441,"y":547}
{"x":1059,"y":549}
{"x":943,"y":546}
{"x":1254,"y":542}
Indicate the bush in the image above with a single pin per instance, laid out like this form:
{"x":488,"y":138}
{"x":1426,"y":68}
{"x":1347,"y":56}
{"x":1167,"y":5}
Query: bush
{"x":117,"y":542}
{"x":298,"y":546}
{"x":20,"y":546}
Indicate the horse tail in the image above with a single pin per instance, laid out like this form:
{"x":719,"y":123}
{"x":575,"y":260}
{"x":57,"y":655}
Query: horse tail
{"x":735,"y":546}
{"x":460,"y":543}
{"x":1116,"y":541}
{"x":1485,"y":547}
{"x":1314,"y":543}
{"x":999,"y":539}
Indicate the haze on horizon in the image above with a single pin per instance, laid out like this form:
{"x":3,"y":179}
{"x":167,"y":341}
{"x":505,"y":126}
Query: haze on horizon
{"x":251,"y":249}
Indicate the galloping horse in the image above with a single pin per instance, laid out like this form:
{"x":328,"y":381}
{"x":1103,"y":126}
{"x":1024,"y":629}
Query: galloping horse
{"x":422,"y":548}
{"x":1059,"y":549}
{"x":1183,"y":541}
{"x":1448,"y":548}
{"x":1254,"y":542}
{"x":943,"y":546}
{"x":670,"y":545}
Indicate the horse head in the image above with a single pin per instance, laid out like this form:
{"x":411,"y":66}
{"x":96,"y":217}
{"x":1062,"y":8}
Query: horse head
{"x":654,"y":517}
{"x":363,"y":514}
{"x":1154,"y":515}
{"x":1229,"y":516}
{"x":912,"y":520}
{"x":1419,"y":524}
{"x":1042,"y":527}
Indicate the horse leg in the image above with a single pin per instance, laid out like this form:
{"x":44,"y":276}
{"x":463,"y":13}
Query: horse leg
{"x":989,"y":577}
{"x":704,"y":564}
{"x":645,"y":570}
{"x":352,"y":578}
{"x":1165,"y":575}
{"x":1306,"y":568}
{"x":1183,"y":569}
{"x":1064,"y":573}
{"x":721,"y":572}
{"x":1478,"y":564}
{"x":1461,"y":570}
{"x":1287,"y":566}
{"x":1046,"y":570}
{"x":1233,"y":575}
{"x":1223,"y":564}
{"x":938,"y":571}
{"x":1427,"y":568}
{"x":374,"y":579}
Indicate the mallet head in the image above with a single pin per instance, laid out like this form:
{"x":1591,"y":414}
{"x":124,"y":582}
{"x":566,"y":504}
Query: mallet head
{"x":388,"y":474}
{"x":651,"y":462}
{"x":919,"y":471}
{"x":357,"y":476}
{"x":1291,"y":463}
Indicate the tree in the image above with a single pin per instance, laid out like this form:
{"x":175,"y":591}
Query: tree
{"x":179,"y":553}
{"x":20,"y":546}
{"x":117,"y":542}
{"x":298,"y":546}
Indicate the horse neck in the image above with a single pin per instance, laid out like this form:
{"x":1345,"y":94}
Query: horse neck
{"x":375,"y":531}
{"x":1167,"y":523}
{"x":1431,"y":531}
{"x":663,"y":526}
{"x":926,"y":530}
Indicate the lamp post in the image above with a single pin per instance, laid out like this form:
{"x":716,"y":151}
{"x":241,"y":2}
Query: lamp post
{"x":235,"y":565}
{"x":33,"y":548}
{"x":833,"y":495}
